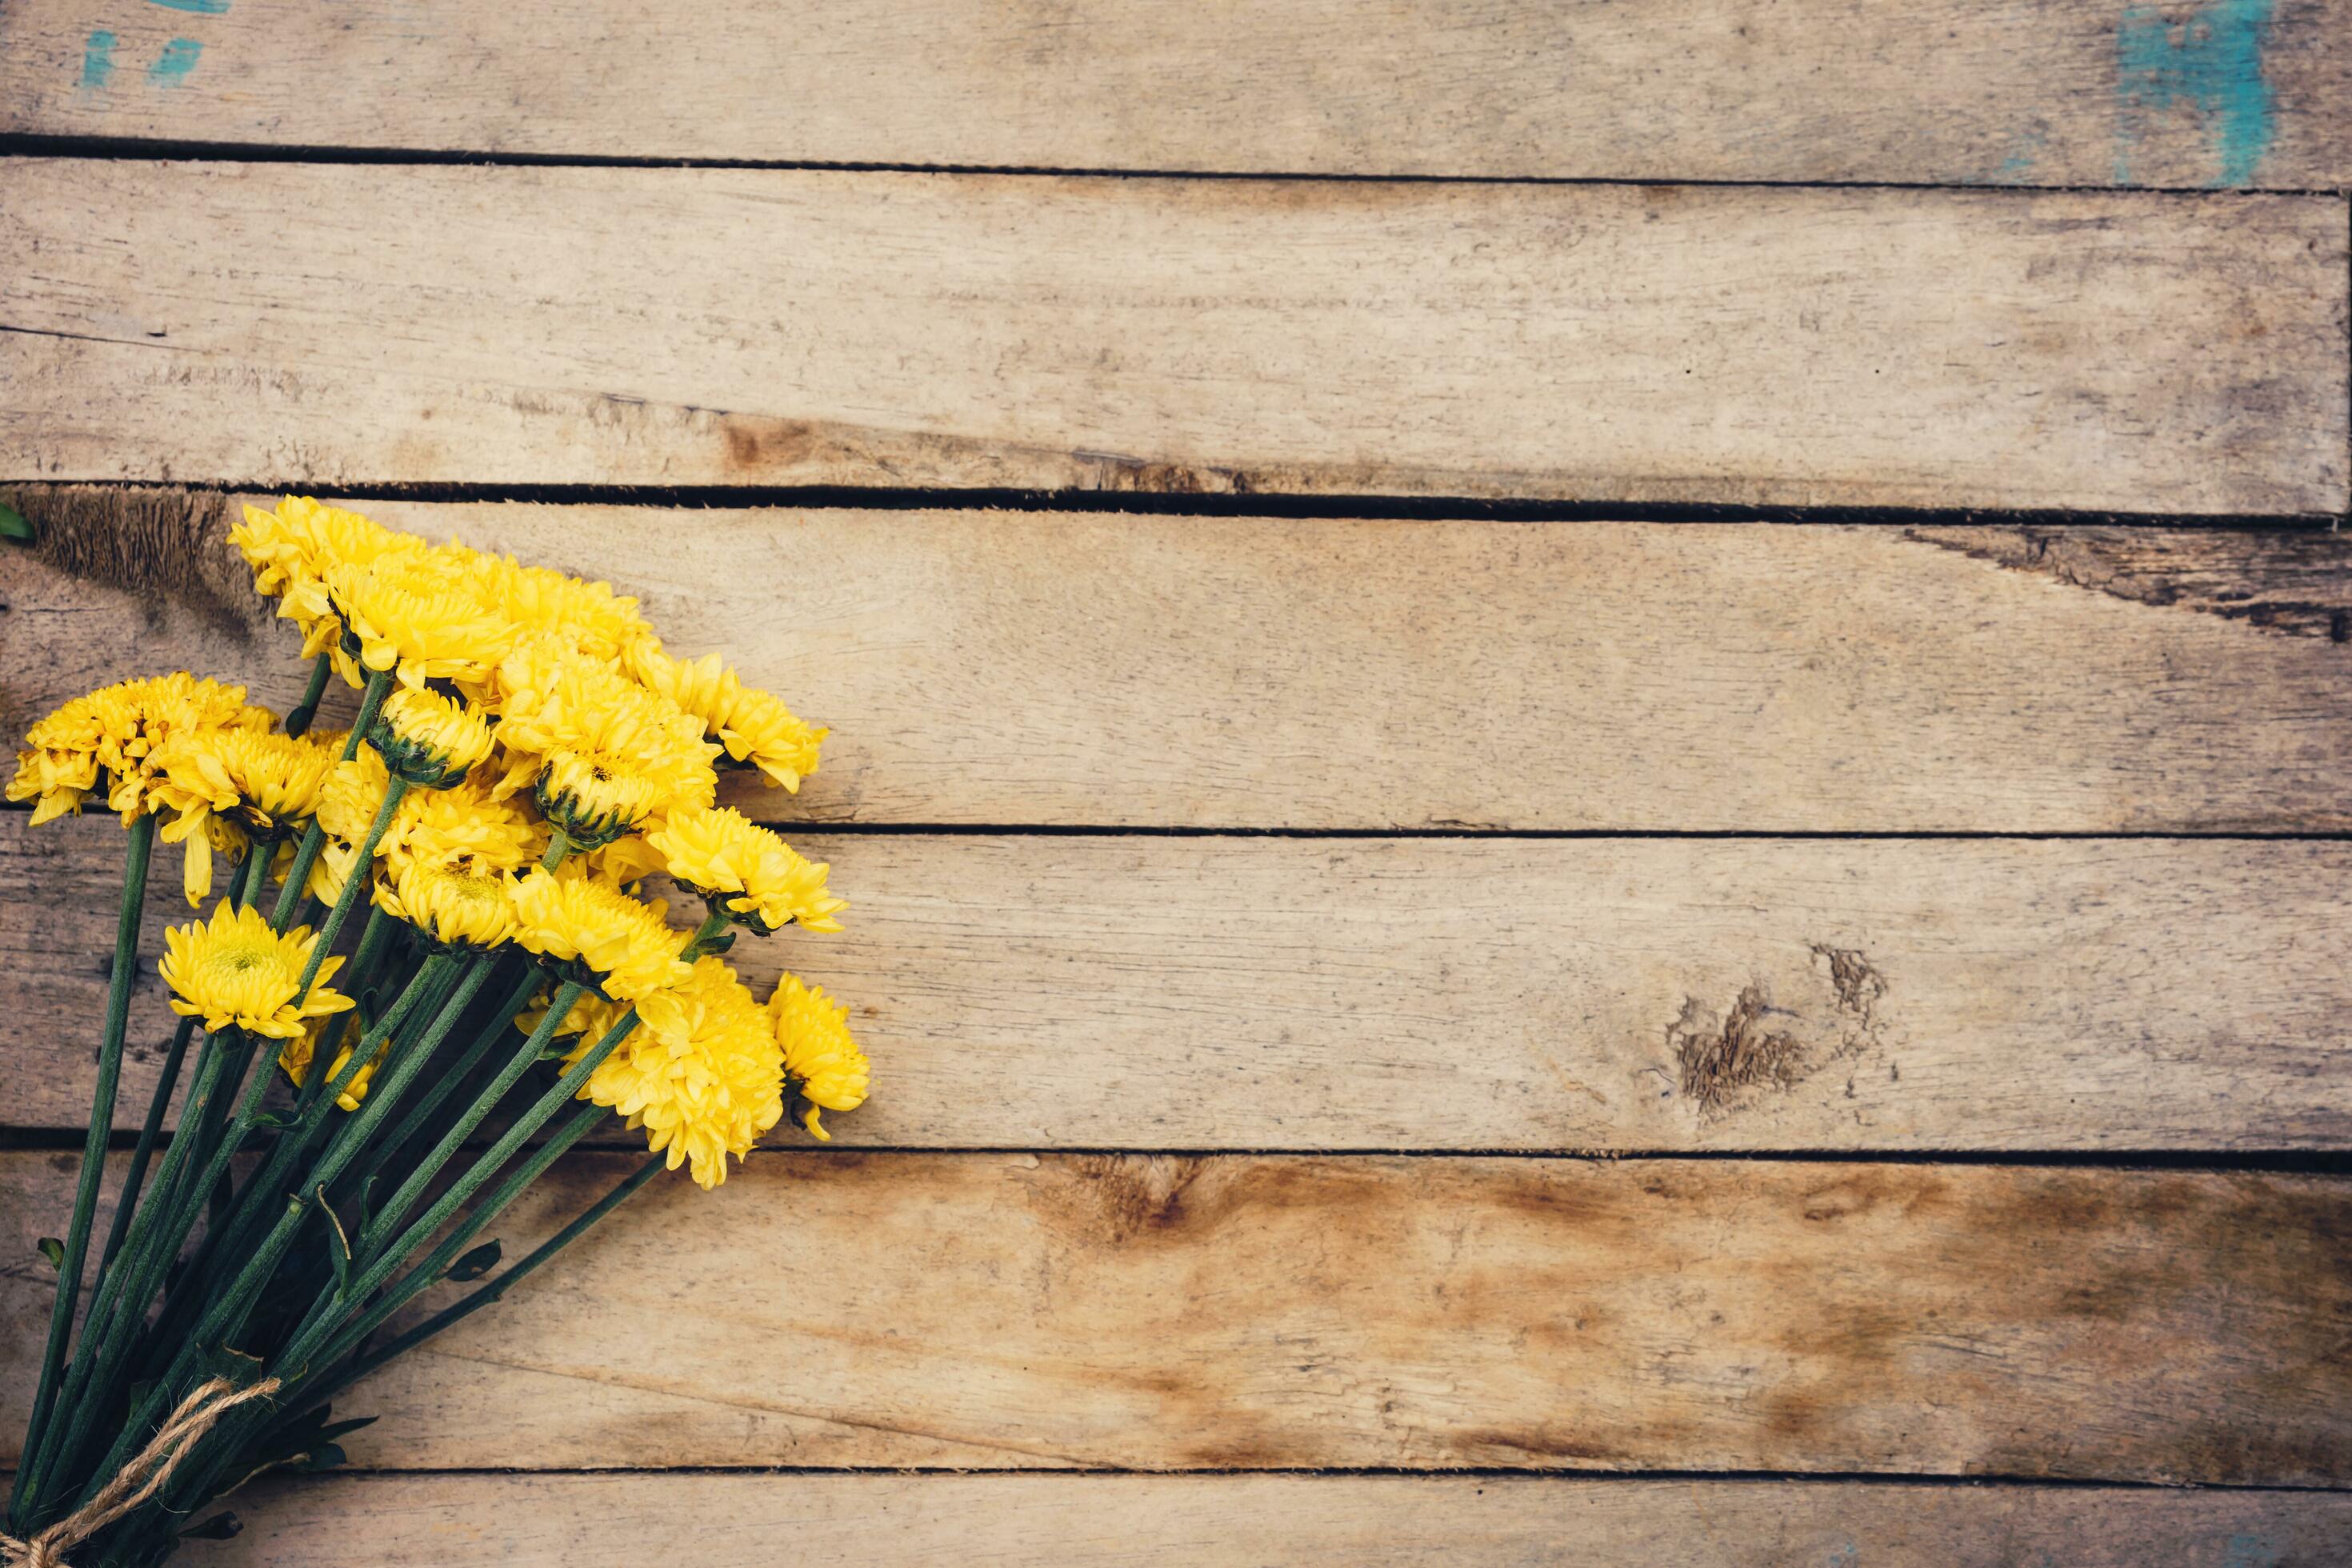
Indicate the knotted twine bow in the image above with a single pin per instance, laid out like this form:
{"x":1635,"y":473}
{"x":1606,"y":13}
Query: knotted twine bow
{"x":183,"y":1430}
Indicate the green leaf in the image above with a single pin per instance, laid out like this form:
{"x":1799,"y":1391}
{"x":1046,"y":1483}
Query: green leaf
{"x":54,"y":1250}
{"x":13,"y":525}
{"x":325,"y":1457}
{"x":337,"y":1428}
{"x":220,"y":1526}
{"x":475,"y":1264}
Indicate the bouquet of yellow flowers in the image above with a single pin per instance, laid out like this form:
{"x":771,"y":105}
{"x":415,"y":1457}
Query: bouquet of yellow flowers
{"x":525,"y":759}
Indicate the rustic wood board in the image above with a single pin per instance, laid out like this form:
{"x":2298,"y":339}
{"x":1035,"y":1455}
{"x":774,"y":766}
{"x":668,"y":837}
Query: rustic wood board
{"x":1283,"y":1311}
{"x":1247,"y":1521}
{"x":2136,"y":351}
{"x":1000,"y":668}
{"x":2065,"y":92}
{"x":1162,"y":993}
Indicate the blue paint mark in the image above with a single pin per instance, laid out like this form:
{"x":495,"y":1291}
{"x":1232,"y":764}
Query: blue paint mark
{"x":97,"y":60}
{"x":199,"y":7}
{"x":2212,"y":62}
{"x":171,"y":67}
{"x":2023,"y":151}
{"x":2246,"y":1550}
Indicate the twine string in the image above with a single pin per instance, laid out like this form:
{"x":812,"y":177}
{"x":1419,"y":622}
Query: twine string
{"x":182,"y":1430}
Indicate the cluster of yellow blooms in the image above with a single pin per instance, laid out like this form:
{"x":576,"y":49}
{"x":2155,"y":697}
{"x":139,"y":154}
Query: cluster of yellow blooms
{"x":549,"y":757}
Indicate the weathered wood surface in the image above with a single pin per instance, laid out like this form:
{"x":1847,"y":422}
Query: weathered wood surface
{"x":2134,"y":351}
{"x":1246,"y":1521}
{"x":1002,"y":668}
{"x":1433,"y":994}
{"x":1275,"y":1312}
{"x":2066,"y":93}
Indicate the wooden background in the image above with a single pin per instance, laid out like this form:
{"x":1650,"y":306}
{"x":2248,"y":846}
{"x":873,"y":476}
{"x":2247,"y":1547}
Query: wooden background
{"x":1666,"y":884}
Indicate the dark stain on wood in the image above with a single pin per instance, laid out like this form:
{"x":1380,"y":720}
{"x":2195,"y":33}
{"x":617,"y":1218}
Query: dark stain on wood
{"x":2287,"y":582}
{"x":1744,"y":1049}
{"x":166,"y":548}
{"x":1859,"y":985}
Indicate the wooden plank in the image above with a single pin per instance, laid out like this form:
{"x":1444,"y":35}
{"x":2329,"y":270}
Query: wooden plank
{"x":1244,"y":1521}
{"x":1939,"y":91}
{"x":880,"y":1310}
{"x":2134,"y":351}
{"x":1170,"y":993}
{"x":1012,"y":669}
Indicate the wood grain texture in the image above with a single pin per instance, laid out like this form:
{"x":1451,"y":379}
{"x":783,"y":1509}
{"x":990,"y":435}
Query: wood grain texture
{"x":1156,"y":993}
{"x":1273,"y":1312}
{"x":2131,"y":350}
{"x":1245,"y":1521}
{"x":2066,"y":93}
{"x":999,"y":668}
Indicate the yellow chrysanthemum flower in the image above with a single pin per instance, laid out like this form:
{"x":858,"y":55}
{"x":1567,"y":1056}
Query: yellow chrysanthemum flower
{"x":114,"y":734}
{"x":822,"y":1064}
{"x":351,"y":795}
{"x":236,"y":971}
{"x":625,"y":861}
{"x":757,"y":878}
{"x":594,"y":799}
{"x":330,"y":871}
{"x":291,"y":550}
{"x":456,"y":904}
{"x":611,"y":753}
{"x":461,"y":829}
{"x":294,"y":1059}
{"x":463,"y":823}
{"x":704,"y":1080}
{"x":588,"y":617}
{"x":753,"y":727}
{"x":591,"y":1017}
{"x":59,"y":763}
{"x":429,"y":739}
{"x":597,"y":934}
{"x":229,"y":840}
{"x":421,"y":614}
{"x":264,"y":780}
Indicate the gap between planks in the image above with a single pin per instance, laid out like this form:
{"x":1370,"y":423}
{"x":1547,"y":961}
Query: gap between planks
{"x":133,"y":149}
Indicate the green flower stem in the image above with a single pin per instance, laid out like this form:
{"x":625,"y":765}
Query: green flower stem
{"x":321,"y":1332}
{"x":180,"y":1201}
{"x":317,"y":1348}
{"x":134,"y":1180}
{"x":376,"y":940}
{"x":372,"y":1235}
{"x":244,"y":882}
{"x":564,"y":1089}
{"x":227,"y":1309}
{"x":474,"y":1301}
{"x":299,"y":721}
{"x":559,"y":847}
{"x":351,"y":1135}
{"x":461,"y":1071}
{"x":362,"y":878}
{"x":122,"y":1283}
{"x":427,"y":988}
{"x":324,"y":1341}
{"x":137,"y":852}
{"x":307,"y":854}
